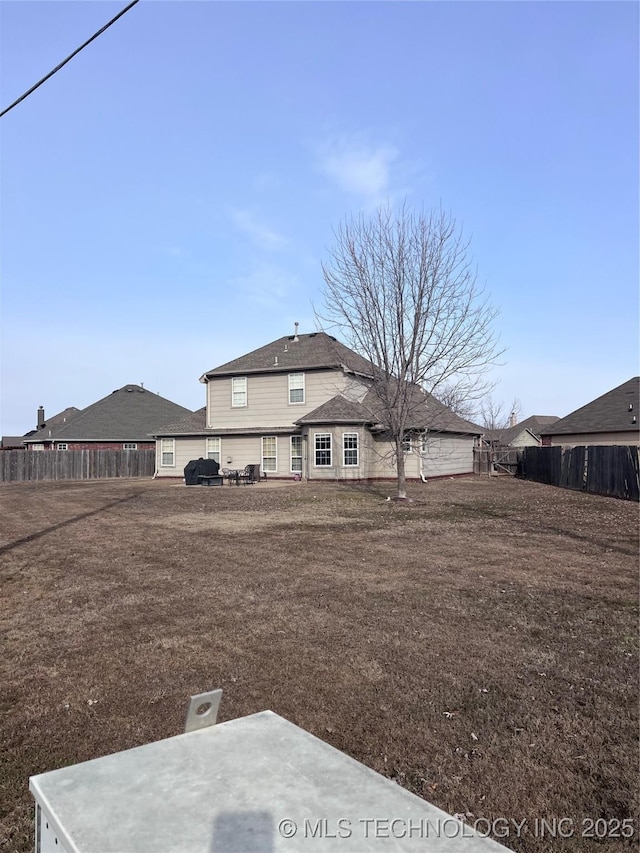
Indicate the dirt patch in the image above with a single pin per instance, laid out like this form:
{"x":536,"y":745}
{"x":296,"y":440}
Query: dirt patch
{"x":244,"y":522}
{"x":478,"y":645}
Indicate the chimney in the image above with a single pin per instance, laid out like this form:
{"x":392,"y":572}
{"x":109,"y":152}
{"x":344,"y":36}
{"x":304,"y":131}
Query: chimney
{"x":295,"y":334}
{"x":40,"y":416}
{"x":513,"y":419}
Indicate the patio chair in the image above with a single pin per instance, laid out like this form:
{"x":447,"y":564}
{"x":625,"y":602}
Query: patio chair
{"x":250,"y":475}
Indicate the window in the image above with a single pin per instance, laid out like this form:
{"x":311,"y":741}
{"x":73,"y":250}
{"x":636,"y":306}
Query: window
{"x":296,"y":454}
{"x":130,"y":445}
{"x":213,"y":449}
{"x":350,"y":448}
{"x":269,"y":453}
{"x":62,"y":446}
{"x":239,"y":391}
{"x":323,"y":449}
{"x":407,"y":442}
{"x":167,"y":452}
{"x":296,"y":387}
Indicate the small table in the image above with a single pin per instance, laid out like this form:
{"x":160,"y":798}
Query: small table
{"x":210,"y":479}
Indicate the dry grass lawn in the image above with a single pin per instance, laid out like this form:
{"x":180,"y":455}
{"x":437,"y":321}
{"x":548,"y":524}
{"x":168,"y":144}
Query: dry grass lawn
{"x":479,"y":645}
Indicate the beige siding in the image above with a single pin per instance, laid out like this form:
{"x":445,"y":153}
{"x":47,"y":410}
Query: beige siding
{"x":337,"y":470}
{"x":525,"y":439}
{"x":448,"y":455}
{"x":583,"y":439}
{"x":185,"y":449}
{"x":235,"y":453}
{"x":268,"y":399}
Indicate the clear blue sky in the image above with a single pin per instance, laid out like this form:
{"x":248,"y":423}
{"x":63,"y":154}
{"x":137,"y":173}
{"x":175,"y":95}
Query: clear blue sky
{"x":168,"y":197}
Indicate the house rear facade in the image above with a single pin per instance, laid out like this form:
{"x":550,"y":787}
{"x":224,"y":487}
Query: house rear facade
{"x":302,"y":407}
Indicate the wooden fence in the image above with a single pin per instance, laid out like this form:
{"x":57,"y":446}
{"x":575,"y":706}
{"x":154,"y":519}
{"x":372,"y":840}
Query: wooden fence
{"x":18,"y":465}
{"x":612,"y":470}
{"x":496,"y":460}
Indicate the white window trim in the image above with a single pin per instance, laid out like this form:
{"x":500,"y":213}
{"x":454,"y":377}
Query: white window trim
{"x":218,"y":451}
{"x":62,"y":446}
{"x":293,"y":470}
{"x":235,"y":379}
{"x":129,"y":445}
{"x":262,"y":456}
{"x":355,"y":464}
{"x":408,"y":438}
{"x":316,"y":449}
{"x":171,"y":464}
{"x":297,"y":388}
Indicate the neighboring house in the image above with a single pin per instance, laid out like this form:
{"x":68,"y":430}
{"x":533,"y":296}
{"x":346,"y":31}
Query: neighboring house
{"x":524,"y":434}
{"x":43,"y":425}
{"x":609,"y":419}
{"x":302,"y":406}
{"x":124,"y":420}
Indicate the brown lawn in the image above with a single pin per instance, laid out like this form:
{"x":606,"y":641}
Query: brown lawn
{"x":479,"y":645}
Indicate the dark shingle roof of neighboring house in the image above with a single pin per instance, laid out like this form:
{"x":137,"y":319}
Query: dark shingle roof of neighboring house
{"x":614,"y":411}
{"x":12,"y":441}
{"x":130,"y":413}
{"x":534,"y":423}
{"x":38,"y":433}
{"x":302,"y":352}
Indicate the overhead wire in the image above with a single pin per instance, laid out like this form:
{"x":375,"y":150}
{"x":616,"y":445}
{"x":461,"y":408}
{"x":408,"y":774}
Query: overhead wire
{"x":70,"y":57}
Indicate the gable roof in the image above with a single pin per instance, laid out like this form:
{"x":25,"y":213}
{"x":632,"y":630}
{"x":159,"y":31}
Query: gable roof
{"x":612,"y":412}
{"x":313,"y":351}
{"x":130,"y":413}
{"x":534,"y":424}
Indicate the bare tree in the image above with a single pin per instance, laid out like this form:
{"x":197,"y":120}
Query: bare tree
{"x":400,"y":290}
{"x":494,"y":415}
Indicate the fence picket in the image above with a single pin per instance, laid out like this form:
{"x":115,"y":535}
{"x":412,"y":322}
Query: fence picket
{"x":22,"y":465}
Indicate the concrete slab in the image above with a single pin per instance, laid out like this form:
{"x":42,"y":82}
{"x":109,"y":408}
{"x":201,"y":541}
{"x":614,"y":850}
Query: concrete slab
{"x":258,"y":784}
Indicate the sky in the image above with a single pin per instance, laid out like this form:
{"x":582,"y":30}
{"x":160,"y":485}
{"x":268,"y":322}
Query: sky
{"x":168,"y":197}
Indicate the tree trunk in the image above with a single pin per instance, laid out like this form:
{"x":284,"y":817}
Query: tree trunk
{"x":402,"y":480}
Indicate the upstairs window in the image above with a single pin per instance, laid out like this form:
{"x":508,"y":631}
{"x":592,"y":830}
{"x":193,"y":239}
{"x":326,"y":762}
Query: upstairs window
{"x":130,"y":445}
{"x":296,"y":387}
{"x":239,"y":391}
{"x":62,"y":446}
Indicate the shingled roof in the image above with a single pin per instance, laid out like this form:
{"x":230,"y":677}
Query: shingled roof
{"x":535,"y":424}
{"x":130,"y":413}
{"x":615,"y":411}
{"x":295,"y":352}
{"x":338,"y":410}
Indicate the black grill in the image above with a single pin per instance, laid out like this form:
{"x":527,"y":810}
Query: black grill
{"x":200,"y":468}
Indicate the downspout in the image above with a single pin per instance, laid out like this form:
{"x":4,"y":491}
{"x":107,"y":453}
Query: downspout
{"x":422,"y":474}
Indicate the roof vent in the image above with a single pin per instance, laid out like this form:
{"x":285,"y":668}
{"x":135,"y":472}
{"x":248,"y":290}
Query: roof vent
{"x":275,"y":361}
{"x":630,"y":407}
{"x":286,"y":347}
{"x":633,"y":419}
{"x":295,"y":334}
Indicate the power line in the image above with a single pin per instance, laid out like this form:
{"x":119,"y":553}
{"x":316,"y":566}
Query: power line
{"x":64,"y":61}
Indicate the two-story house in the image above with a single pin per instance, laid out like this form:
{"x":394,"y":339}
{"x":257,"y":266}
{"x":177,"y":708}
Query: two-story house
{"x":302,"y":406}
